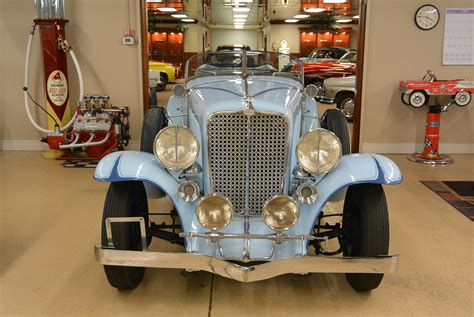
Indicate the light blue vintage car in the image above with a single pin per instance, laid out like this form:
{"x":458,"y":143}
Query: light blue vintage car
{"x":249,"y":167}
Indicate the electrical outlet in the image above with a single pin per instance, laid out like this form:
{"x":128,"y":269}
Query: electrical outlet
{"x":469,"y":74}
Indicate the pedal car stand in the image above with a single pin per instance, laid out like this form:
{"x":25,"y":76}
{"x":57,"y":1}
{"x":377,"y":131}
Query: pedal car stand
{"x":430,"y":153}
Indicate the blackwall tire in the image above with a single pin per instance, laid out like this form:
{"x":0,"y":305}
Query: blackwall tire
{"x":124,"y":199}
{"x":153,"y":98}
{"x":335,"y":121}
{"x":153,"y":121}
{"x":366,"y":227}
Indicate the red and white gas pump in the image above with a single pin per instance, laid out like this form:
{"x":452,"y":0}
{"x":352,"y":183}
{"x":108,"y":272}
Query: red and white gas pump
{"x":96,"y":128}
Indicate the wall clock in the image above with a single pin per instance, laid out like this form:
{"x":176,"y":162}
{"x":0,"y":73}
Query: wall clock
{"x":427,"y":17}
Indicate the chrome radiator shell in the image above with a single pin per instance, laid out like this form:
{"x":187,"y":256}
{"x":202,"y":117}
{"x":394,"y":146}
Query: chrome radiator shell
{"x":248,"y":156}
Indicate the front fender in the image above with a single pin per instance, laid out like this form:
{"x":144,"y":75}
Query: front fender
{"x":352,"y":169}
{"x":141,"y":166}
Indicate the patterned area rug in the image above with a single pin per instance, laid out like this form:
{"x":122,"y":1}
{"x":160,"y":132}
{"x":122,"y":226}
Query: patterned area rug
{"x":460,"y":195}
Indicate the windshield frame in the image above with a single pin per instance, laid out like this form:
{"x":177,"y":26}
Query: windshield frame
{"x":244,"y":71}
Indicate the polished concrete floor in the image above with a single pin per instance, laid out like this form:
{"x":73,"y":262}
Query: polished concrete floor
{"x":50,"y":220}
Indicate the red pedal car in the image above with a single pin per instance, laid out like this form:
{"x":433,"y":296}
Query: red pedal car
{"x":416,"y":93}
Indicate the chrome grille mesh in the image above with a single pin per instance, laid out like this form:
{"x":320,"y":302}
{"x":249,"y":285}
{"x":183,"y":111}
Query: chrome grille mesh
{"x":247,"y":157}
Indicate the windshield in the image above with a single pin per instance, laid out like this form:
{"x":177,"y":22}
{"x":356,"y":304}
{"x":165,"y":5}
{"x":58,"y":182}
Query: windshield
{"x":240,"y":62}
{"x":350,"y":57}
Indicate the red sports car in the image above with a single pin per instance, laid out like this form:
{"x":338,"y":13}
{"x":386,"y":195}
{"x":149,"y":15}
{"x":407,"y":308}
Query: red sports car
{"x":416,"y":93}
{"x":316,"y":72}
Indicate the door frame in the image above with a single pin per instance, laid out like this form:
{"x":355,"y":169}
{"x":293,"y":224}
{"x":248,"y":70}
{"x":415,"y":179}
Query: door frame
{"x":355,"y":144}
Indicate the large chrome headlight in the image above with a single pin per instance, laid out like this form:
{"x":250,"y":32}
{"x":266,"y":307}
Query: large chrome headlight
{"x":214,"y":212}
{"x":319,"y":151}
{"x":281,"y":213}
{"x":176,"y":147}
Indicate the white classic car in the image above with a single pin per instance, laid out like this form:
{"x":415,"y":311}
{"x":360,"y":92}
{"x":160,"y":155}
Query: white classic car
{"x":340,"y":91}
{"x":248,"y":166}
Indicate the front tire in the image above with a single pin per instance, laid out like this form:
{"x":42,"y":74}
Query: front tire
{"x":334,"y":121}
{"x":462,"y":98}
{"x":366,"y":228}
{"x":164,"y":81}
{"x":125,"y":199}
{"x":346,"y":103}
{"x":405,"y":99}
{"x":418,"y":99}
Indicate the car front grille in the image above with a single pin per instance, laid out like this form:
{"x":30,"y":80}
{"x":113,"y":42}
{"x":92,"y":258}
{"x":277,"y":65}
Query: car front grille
{"x":247,"y":157}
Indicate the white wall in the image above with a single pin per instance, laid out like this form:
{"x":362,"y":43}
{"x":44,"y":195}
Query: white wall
{"x":291,"y":33}
{"x":95,"y":32}
{"x":397,"y":50}
{"x":225,"y":37}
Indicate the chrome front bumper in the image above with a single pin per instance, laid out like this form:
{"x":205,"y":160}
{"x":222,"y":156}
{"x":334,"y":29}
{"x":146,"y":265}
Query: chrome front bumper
{"x":197,"y":262}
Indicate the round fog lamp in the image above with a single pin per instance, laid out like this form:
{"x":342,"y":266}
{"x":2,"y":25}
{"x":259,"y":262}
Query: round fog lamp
{"x":319,"y":151}
{"x":306,"y":193}
{"x":188,"y":191}
{"x":176,"y":147}
{"x":214,"y":212}
{"x":281,"y":213}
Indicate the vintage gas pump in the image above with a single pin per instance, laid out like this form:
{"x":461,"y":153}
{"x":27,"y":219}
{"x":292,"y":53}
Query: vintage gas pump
{"x":97,"y":127}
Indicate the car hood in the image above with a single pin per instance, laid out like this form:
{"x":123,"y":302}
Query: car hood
{"x":227,"y":93}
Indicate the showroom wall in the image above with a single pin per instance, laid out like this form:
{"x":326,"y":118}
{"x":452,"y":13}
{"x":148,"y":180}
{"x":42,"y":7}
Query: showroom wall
{"x":396,"y":50}
{"x":109,"y":67}
{"x":225,"y":37}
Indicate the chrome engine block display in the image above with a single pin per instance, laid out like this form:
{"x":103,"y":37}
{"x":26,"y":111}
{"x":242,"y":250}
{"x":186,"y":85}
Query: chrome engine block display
{"x":98,"y":128}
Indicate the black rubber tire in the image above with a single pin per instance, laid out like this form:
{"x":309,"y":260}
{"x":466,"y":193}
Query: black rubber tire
{"x":153,"y":122}
{"x":164,"y":81}
{"x":366,"y":227}
{"x":153,"y":98}
{"x":340,"y":98}
{"x":335,"y":121}
{"x":405,"y":101}
{"x":124,"y":199}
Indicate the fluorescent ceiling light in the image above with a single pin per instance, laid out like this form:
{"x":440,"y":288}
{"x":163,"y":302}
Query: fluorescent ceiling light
{"x":334,"y":1}
{"x":355,"y":16}
{"x":301,"y":16}
{"x":240,"y":16}
{"x":179,"y":16}
{"x":239,"y":20}
{"x":238,"y":26}
{"x":187,"y":20}
{"x":154,"y":1}
{"x":241,"y":9}
{"x":291,"y":20}
{"x":167,"y":9}
{"x":343,"y":20}
{"x":314,"y":10}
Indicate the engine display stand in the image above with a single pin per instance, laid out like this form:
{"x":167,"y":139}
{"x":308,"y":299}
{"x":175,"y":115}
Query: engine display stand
{"x":430,"y":153}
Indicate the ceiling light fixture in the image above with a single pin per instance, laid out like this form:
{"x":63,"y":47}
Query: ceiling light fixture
{"x":241,"y":9}
{"x":301,"y":16}
{"x":239,"y":20}
{"x":179,"y":16}
{"x":187,"y":20}
{"x":334,"y":1}
{"x":291,"y":20}
{"x":343,"y":20}
{"x":238,"y":26}
{"x":355,"y":16}
{"x":240,"y":16}
{"x":314,"y":10}
{"x":167,"y":9}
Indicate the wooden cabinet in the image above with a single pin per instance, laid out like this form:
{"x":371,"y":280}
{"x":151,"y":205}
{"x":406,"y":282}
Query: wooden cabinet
{"x":166,"y":45}
{"x":309,"y":40}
